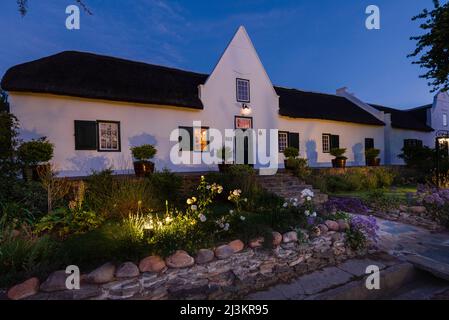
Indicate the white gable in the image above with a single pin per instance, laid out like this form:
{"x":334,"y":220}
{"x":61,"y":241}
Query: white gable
{"x":240,"y":60}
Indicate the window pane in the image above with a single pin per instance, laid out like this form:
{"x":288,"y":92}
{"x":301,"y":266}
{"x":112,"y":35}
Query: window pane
{"x":283,"y":141}
{"x":242,"y":90}
{"x":445,"y":119}
{"x":108,"y":136}
{"x":326,"y":143}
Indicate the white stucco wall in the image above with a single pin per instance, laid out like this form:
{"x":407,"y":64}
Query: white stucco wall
{"x":352,"y":137}
{"x":440,"y":107}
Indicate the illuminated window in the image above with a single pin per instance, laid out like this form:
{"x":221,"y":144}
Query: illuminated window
{"x":243,"y":90}
{"x":283,"y":141}
{"x":445,"y":119}
{"x":201,"y":139}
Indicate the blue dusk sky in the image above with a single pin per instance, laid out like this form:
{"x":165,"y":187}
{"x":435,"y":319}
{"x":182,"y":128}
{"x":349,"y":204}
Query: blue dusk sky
{"x":315,"y":45}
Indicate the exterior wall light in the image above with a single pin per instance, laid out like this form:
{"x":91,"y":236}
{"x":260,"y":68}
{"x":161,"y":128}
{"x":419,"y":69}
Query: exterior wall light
{"x":246,"y":110}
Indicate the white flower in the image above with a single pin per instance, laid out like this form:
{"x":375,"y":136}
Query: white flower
{"x":285,"y":205}
{"x":193,"y":207}
{"x":295,"y":199}
{"x":242,"y":218}
{"x":208,"y":187}
{"x":235,"y":192}
{"x":231,"y":211}
{"x":202,"y":217}
{"x":226,"y":227}
{"x":189,"y":201}
{"x":309,"y":198}
{"x":307,"y":212}
{"x":314,"y":214}
{"x":193,"y":199}
{"x":307,"y":193}
{"x":246,"y":199}
{"x":221,"y":225}
{"x":220,"y":189}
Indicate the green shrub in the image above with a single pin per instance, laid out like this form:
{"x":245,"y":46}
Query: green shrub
{"x":183,"y":232}
{"x":372,"y":153}
{"x":356,"y":239}
{"x":300,"y":167}
{"x":238,"y":176}
{"x":64,"y":222}
{"x":143,"y":152}
{"x":116,"y":197}
{"x":338,"y":153}
{"x":378,"y":200}
{"x":291,"y":152}
{"x":166,"y":186}
{"x":22,"y":257}
{"x":35,"y":151}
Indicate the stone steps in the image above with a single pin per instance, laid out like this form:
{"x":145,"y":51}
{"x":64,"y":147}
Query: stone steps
{"x":287,"y":186}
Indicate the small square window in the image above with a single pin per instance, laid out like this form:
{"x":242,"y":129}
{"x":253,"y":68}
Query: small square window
{"x":283,"y":141}
{"x":326,"y":143}
{"x":108,"y":136}
{"x":444,"y":119}
{"x":243,"y":90}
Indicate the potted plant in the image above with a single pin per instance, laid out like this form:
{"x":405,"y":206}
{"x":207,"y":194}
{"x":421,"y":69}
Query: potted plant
{"x":371,"y":156}
{"x":340,"y":159}
{"x":34,"y":156}
{"x":225,"y":154}
{"x":290,"y":154}
{"x":142,"y":154}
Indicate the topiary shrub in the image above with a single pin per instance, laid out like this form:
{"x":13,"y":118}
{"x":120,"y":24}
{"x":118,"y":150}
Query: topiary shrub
{"x":144,"y":152}
{"x":291,"y":152}
{"x":35,"y":152}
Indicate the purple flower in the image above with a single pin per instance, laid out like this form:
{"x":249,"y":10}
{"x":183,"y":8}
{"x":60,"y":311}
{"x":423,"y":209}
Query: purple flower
{"x":367,"y":225}
{"x":311,"y":220}
{"x":350,"y":205}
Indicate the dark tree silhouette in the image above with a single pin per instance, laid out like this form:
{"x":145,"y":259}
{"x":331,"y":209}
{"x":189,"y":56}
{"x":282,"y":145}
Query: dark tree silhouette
{"x":23,"y":6}
{"x":432,"y":48}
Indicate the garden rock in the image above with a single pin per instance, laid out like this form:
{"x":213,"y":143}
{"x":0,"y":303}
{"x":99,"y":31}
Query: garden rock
{"x":417,"y":209}
{"x":277,"y":239}
{"x":291,"y":236}
{"x":55,"y":282}
{"x":323,"y":228}
{"x":204,"y":256}
{"x":24,"y":290}
{"x":224,"y":251}
{"x":152,"y":264}
{"x":127,"y":270}
{"x":332,"y":225}
{"x":343,"y":225}
{"x":256,"y":243}
{"x":237,"y":245}
{"x":180,"y":259}
{"x":102,"y":274}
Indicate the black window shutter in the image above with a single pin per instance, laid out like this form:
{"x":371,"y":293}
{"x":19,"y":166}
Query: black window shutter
{"x":85,"y":135}
{"x":186,"y":145}
{"x":369,"y":143}
{"x":293,"y":140}
{"x":335,"y":141}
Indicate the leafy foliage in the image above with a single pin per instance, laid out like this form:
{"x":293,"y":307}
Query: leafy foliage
{"x":291,"y":152}
{"x":35,"y":151}
{"x":432,"y":48}
{"x":372,"y":153}
{"x":338,"y":153}
{"x":143,"y":152}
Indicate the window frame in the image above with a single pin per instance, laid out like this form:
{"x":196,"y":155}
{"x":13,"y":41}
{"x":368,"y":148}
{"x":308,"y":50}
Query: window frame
{"x":119,"y":140}
{"x":328,"y":135}
{"x":237,"y":90}
{"x":286,"y":140}
{"x":416,"y":143}
{"x":373,"y":143}
{"x":445,"y":119}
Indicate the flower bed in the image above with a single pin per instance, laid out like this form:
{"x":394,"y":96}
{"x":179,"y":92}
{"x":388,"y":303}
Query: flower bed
{"x":230,"y":271}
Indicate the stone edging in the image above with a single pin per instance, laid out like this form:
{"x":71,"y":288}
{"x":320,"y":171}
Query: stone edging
{"x":229,"y":272}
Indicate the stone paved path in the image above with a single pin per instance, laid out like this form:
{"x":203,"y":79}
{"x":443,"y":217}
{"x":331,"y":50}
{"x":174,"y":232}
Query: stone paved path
{"x":395,"y":238}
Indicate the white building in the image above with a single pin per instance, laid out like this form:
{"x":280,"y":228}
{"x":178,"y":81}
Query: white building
{"x":94,"y":108}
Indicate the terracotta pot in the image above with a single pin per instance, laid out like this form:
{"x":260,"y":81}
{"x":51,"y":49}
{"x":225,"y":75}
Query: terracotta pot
{"x":143,"y":168}
{"x":339,"y":163}
{"x":373,"y":162}
{"x":34,"y":172}
{"x":286,"y":166}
